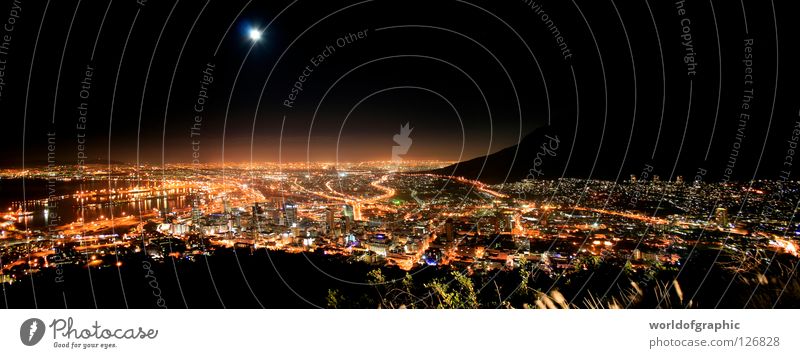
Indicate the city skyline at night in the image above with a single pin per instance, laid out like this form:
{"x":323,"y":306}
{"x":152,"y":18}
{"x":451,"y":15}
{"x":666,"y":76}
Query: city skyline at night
{"x":398,"y":154}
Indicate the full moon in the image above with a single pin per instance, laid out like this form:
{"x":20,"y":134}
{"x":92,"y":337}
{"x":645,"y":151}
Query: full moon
{"x":255,"y":34}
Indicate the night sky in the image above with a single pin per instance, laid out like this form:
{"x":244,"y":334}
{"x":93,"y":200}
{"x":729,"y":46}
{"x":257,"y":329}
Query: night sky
{"x":471,"y":77}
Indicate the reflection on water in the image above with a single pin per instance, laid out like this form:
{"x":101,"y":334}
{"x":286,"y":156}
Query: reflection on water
{"x":90,"y":200}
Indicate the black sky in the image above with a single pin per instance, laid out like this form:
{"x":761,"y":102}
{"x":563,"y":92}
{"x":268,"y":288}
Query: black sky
{"x":419,"y":58}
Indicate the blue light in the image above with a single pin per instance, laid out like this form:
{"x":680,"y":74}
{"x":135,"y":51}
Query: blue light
{"x":253,"y":31}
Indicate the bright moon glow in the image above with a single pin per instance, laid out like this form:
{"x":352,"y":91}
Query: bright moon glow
{"x":255,"y":35}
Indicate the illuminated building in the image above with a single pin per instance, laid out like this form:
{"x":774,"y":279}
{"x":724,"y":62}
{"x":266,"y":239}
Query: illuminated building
{"x":290,"y":213}
{"x":721,"y":216}
{"x":348,"y":224}
{"x":348,"y":212}
{"x":329,"y":220}
{"x":448,"y":229}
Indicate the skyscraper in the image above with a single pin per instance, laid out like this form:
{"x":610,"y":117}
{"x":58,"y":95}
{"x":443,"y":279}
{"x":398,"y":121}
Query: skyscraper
{"x":449,"y":230}
{"x":348,"y":224}
{"x":347,"y":211}
{"x":721,"y":216}
{"x":329,"y":220}
{"x":290,"y":212}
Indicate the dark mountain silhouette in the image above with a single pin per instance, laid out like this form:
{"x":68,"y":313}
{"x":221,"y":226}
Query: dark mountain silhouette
{"x":614,"y":153}
{"x":540,"y":154}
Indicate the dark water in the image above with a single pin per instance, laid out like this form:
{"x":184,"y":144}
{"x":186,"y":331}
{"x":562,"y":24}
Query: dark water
{"x":67,"y":207}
